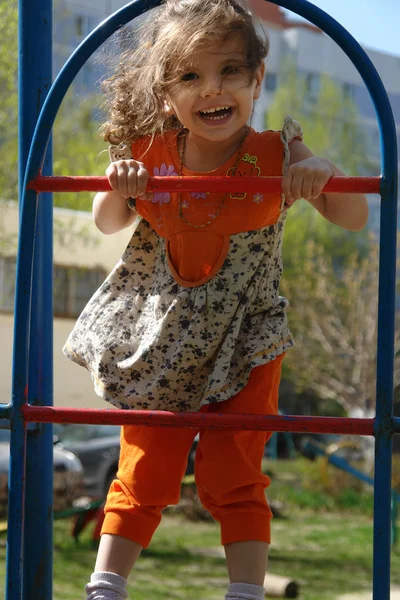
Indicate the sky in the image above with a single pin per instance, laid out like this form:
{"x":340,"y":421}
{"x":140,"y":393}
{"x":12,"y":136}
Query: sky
{"x":374,"y":23}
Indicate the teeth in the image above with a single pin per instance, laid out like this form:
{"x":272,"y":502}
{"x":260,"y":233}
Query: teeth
{"x":213,"y":110}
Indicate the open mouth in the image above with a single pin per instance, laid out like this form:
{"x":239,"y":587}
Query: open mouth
{"x":216,"y":114}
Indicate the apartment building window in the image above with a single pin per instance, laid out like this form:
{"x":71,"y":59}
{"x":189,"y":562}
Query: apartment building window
{"x":72,"y":287}
{"x":348,"y":90}
{"x":86,"y":282}
{"x":271,"y":82}
{"x":313,"y":82}
{"x":84,"y":24}
{"x":80,"y":26}
{"x":7,"y":283}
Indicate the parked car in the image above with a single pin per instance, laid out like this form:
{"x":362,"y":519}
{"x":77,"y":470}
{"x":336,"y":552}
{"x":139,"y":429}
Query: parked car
{"x":67,"y":473}
{"x":98,"y":447}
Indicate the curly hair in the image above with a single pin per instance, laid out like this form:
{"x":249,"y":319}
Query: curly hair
{"x":136,"y":93}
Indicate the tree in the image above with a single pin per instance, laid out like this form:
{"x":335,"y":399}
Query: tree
{"x":330,"y":123}
{"x":328,"y":117}
{"x":78,"y":148}
{"x":77,"y":144}
{"x":330,"y":275}
{"x":8,"y":98}
{"x":333,"y":317}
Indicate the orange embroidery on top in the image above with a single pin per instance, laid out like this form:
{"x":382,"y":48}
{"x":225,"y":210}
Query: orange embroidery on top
{"x":247,"y":167}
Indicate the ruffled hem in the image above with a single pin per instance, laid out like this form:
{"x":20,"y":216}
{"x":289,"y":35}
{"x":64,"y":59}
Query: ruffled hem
{"x":242,"y":379}
{"x":229,"y":390}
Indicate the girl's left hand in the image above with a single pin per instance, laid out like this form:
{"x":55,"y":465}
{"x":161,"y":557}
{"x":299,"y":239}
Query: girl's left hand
{"x":306,"y":179}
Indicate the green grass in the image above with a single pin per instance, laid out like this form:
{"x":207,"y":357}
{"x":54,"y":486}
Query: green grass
{"x":328,"y":555}
{"x":329,"y":552}
{"x":301,"y":484}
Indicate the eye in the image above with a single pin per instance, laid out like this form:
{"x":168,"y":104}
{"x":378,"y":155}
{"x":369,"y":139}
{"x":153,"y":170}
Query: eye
{"x":189,"y":76}
{"x":230,"y":70}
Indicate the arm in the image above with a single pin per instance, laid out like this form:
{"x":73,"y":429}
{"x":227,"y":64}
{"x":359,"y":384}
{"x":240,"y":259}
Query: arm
{"x":307,"y":175}
{"x":128,"y":179}
{"x":111,"y":212}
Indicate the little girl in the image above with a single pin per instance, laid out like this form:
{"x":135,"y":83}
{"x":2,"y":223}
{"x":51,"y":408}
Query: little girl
{"x":190,"y":319}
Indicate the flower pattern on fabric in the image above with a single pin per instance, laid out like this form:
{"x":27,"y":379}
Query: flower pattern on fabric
{"x":163,"y":171}
{"x":151,"y":343}
{"x":257,"y":198}
{"x":199,"y":195}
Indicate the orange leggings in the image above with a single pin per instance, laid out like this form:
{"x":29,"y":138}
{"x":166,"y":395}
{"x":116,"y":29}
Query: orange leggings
{"x":228,"y":473}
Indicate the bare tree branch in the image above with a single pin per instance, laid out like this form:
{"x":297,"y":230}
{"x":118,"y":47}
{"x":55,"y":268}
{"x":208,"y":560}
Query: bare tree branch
{"x":333,"y":316}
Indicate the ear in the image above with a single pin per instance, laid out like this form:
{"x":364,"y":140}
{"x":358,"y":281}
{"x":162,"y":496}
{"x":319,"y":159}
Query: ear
{"x":259,"y":76}
{"x":168,"y":110}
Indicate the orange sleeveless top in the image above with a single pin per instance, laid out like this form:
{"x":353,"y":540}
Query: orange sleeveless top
{"x":195,"y":254}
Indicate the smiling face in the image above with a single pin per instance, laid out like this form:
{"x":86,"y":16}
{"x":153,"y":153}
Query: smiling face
{"x":216,"y":90}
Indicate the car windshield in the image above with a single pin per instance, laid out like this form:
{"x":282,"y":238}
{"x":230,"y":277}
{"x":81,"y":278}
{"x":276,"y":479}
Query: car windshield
{"x":81,"y":433}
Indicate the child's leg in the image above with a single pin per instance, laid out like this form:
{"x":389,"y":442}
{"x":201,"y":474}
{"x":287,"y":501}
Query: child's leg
{"x":247,"y":561}
{"x":117,"y":554}
{"x":151,"y":467}
{"x":231,"y":484}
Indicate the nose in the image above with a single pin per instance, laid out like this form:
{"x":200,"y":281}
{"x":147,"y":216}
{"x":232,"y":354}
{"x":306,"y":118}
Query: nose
{"x":212,"y":85}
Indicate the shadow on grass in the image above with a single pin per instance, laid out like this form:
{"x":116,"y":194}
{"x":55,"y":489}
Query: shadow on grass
{"x":182,"y":556}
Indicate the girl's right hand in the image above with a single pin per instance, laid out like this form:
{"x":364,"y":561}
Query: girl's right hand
{"x":129,"y":178}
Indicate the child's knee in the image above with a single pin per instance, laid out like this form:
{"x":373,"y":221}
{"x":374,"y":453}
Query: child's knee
{"x":229,"y":473}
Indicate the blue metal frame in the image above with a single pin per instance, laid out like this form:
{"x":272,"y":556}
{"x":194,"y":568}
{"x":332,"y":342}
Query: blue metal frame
{"x":26,"y":583}
{"x":38,"y":527}
{"x":35,"y":75}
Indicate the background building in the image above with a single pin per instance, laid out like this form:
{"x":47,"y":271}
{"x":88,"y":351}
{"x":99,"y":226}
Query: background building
{"x":315,"y":54}
{"x":82,"y":258}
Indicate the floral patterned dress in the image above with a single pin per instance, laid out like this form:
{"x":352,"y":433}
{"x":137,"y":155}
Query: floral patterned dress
{"x":189,"y":311}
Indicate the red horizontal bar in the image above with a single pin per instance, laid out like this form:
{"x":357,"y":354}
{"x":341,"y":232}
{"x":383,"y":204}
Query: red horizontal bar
{"x":362,"y":185}
{"x":300,"y":424}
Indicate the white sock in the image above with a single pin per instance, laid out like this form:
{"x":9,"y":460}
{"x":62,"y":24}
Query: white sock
{"x":245,"y":591}
{"x":106,"y":586}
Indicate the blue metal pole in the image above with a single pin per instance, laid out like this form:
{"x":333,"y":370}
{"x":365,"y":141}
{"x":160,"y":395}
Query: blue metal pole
{"x":38,"y":530}
{"x":16,"y":494}
{"x":36,"y":67}
{"x":30,"y":531}
{"x":385,"y":360}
